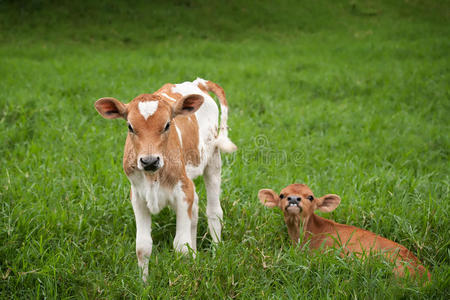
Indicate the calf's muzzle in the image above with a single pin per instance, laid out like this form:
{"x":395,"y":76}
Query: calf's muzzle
{"x":293,"y":205}
{"x":150,"y":163}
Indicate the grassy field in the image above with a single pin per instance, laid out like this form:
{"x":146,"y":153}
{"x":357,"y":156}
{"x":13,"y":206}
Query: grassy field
{"x":349,"y":97}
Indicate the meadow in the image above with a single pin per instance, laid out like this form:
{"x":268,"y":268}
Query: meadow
{"x":350,"y":97}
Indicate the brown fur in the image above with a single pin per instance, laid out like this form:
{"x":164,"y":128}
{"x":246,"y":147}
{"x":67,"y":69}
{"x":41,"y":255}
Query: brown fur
{"x":167,"y":89}
{"x":149,"y":138}
{"x":188,"y":127}
{"x":320,"y":233}
{"x":216,"y":89}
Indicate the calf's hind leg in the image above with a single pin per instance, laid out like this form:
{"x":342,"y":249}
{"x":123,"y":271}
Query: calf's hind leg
{"x":212,"y":184}
{"x":194,"y":222}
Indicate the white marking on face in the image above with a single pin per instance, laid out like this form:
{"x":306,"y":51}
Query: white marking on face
{"x":168,"y":97}
{"x":148,"y":108}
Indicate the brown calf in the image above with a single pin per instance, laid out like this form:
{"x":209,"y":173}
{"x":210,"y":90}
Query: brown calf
{"x":298,"y":204}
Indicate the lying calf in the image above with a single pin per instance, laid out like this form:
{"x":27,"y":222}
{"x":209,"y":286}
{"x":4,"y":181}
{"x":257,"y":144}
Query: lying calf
{"x":298,"y":204}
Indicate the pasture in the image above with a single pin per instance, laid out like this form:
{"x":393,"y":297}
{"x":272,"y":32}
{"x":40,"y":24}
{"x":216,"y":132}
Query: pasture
{"x":349,"y":97}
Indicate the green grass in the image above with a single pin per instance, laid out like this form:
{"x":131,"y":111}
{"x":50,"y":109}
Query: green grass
{"x":349,"y":97}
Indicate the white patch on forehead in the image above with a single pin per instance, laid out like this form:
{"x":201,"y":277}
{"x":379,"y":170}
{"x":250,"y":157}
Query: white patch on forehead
{"x":148,"y":108}
{"x":187,"y":88}
{"x":168,"y":97}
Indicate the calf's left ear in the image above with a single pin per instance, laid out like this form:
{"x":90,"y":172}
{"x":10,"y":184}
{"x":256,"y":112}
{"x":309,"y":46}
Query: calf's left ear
{"x":328,"y":203}
{"x":188,"y":105}
{"x":111,"y":108}
{"x":269,"y":198}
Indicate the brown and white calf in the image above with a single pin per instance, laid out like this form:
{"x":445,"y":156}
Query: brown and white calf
{"x":173,"y":137}
{"x":298,"y":204}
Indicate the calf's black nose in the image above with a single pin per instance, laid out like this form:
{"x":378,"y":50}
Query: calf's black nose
{"x":150,"y":163}
{"x":293,"y":199}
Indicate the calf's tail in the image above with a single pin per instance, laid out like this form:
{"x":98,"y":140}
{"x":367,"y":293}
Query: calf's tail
{"x":223,"y":142}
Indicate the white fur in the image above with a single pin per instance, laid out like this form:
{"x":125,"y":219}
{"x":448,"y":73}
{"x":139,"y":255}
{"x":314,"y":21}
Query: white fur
{"x":149,"y":197}
{"x":148,"y":108}
{"x":144,"y":242}
{"x":200,"y":81}
{"x":225,"y":144}
{"x":155,"y":196}
{"x":212,"y":184}
{"x":188,"y":88}
{"x":194,"y":221}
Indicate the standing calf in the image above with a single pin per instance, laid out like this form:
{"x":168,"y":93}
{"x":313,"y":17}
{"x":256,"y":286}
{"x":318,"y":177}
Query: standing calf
{"x":173,"y":137}
{"x":298,"y":204}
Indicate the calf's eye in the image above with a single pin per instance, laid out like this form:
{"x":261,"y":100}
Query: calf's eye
{"x":130,"y":128}
{"x":281,"y":196}
{"x":310,"y":198}
{"x":167,"y":126}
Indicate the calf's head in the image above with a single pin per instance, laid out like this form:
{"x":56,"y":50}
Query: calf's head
{"x":149,"y":123}
{"x":298,"y":203}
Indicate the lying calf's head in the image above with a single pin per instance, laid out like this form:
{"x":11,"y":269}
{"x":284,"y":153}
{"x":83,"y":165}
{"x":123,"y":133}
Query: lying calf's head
{"x":298,"y":200}
{"x":149,"y":124}
{"x":298,"y":203}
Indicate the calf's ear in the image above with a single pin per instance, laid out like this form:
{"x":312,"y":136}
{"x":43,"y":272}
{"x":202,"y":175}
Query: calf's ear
{"x":328,"y":203}
{"x":188,"y":105}
{"x":111,"y":108}
{"x":269,"y":198}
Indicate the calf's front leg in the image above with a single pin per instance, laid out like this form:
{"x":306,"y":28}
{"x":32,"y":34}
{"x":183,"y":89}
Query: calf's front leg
{"x":144,"y":240}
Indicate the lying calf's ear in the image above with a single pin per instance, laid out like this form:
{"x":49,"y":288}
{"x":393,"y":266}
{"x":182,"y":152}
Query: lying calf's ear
{"x":188,"y":105}
{"x":269,"y":198}
{"x":328,"y":203}
{"x":111,"y":108}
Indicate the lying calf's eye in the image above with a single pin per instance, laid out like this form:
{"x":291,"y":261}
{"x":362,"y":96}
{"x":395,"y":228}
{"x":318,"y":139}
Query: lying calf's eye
{"x":281,"y":196}
{"x":130,"y":128}
{"x":167,"y":126}
{"x":310,"y":198}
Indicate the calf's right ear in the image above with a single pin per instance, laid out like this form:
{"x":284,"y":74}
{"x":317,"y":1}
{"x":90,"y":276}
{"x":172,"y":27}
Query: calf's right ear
{"x":111,"y":108}
{"x":188,"y":104}
{"x":328,"y":203}
{"x":269,"y":198}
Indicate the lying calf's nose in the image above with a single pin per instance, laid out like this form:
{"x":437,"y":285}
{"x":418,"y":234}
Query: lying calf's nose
{"x":293,"y":199}
{"x":150,"y":163}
